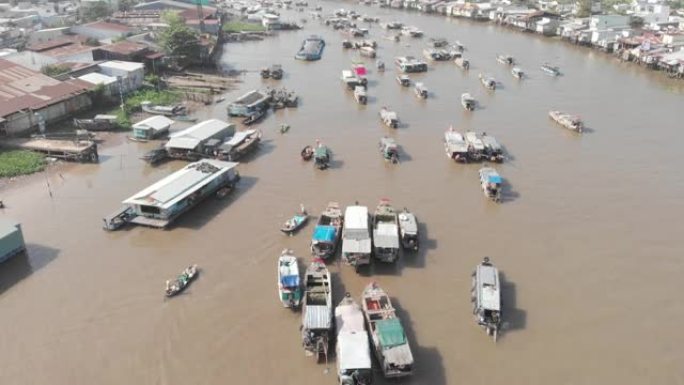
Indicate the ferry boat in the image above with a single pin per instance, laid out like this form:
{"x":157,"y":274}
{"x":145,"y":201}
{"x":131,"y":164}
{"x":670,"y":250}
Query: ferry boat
{"x":389,"y":340}
{"x":327,"y":232}
{"x":317,"y":310}
{"x":289,"y":285}
{"x":485,"y":295}
{"x":491,"y":183}
{"x":571,"y":122}
{"x":386,"y":232}
{"x":312,"y":49}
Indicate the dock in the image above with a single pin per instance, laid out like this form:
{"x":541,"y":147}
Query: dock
{"x":78,"y":150}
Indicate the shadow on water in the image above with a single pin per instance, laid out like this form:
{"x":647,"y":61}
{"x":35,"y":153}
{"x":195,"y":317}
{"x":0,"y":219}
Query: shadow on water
{"x":417,"y":259}
{"x":513,"y":318}
{"x":24,"y":264}
{"x":205,"y":211}
{"x":508,"y":194}
{"x":428,"y":366}
{"x":265,"y":147}
{"x":335,"y":163}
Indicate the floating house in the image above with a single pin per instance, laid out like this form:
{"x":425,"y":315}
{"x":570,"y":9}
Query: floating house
{"x":163,"y":202}
{"x":152,"y":127}
{"x":11,"y":239}
{"x":199,"y":140}
{"x":248,"y":103}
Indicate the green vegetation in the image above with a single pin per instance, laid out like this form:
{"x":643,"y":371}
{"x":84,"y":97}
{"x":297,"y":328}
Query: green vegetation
{"x":240,"y":26}
{"x":164,"y":97}
{"x":179,"y":41}
{"x":53,"y":70}
{"x":95,"y":11}
{"x":20,"y":162}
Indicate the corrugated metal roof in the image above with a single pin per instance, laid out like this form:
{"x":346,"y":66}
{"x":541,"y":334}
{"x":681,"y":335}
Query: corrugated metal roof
{"x":353,"y":350}
{"x":127,"y":66}
{"x":22,"y":88}
{"x":386,"y":235}
{"x":356,"y":217}
{"x":203,"y":130}
{"x":356,"y":245}
{"x":317,"y":317}
{"x":156,"y":122}
{"x":98,"y":78}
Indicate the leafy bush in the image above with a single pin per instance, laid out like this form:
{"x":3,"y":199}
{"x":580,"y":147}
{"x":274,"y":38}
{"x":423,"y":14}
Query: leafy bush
{"x":20,"y":162}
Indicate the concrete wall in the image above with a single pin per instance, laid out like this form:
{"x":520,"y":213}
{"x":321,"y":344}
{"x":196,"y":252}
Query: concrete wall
{"x":131,"y":80}
{"x":96,"y":33}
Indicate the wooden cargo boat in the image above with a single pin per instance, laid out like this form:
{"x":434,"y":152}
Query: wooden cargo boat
{"x":327,"y":233}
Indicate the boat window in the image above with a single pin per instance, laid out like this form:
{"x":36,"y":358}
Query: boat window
{"x":149,"y":209}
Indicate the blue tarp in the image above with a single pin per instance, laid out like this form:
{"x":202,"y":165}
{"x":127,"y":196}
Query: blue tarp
{"x":289,"y":281}
{"x":324,"y":234}
{"x":494,"y":179}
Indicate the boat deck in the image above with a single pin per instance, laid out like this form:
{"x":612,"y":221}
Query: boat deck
{"x":151,"y":222}
{"x":77,"y":149}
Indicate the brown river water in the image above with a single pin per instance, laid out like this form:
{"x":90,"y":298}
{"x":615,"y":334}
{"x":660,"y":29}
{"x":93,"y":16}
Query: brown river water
{"x":588,"y":238}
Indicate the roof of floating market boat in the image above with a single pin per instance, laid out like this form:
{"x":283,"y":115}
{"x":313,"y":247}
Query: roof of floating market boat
{"x":324,"y":234}
{"x":317,"y":317}
{"x":391,"y":332}
{"x":491,"y":298}
{"x":353,"y":353}
{"x":408,"y":222}
{"x":385,"y":235}
{"x":289,"y":280}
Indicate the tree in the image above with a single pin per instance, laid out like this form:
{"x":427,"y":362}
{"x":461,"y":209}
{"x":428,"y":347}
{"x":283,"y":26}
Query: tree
{"x":178,"y":40}
{"x":636,"y":22}
{"x":95,"y":11}
{"x":53,"y":70}
{"x":583,"y":8}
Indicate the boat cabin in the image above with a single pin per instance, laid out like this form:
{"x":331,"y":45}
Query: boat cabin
{"x":152,"y":127}
{"x":199,"y":140}
{"x":487,"y":297}
{"x":455,"y":146}
{"x":410,"y":64}
{"x":248,"y":103}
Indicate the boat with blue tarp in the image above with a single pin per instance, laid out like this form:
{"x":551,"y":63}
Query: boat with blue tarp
{"x":327,"y":232}
{"x":289,"y":285}
{"x":491,"y":183}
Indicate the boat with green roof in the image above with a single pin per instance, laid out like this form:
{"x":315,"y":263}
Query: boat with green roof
{"x":387,"y":333}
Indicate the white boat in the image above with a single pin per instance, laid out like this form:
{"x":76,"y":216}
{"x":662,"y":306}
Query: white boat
{"x":505,"y":59}
{"x":408,"y":230}
{"x":390,"y":343}
{"x":476,"y":147}
{"x":488,"y":82}
{"x":360,"y":95}
{"x":409,"y":64}
{"x":403,"y":80}
{"x":493,"y":150}
{"x":468,"y":102}
{"x":455,"y":145}
{"x":389,"y":117}
{"x":289,"y":284}
{"x":491,"y":183}
{"x":517,"y":73}
{"x":385,"y":232}
{"x":354,"y":366}
{"x":356,"y":236}
{"x":486,"y":297}
{"x":550,"y":70}
{"x":420,"y":90}
{"x":571,"y":122}
{"x":317,"y":309}
{"x":462,"y":62}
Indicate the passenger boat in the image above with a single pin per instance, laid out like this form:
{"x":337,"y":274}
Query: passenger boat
{"x":505,"y":59}
{"x":420,"y":90}
{"x":492,"y":149}
{"x":389,"y":117}
{"x":354,"y":365}
{"x":254,"y":117}
{"x":327,"y":232}
{"x":455,"y":145}
{"x":317,"y":310}
{"x":360,"y":95}
{"x":387,"y":333}
{"x":356,"y":236}
{"x":550,"y":70}
{"x":307,"y":153}
{"x":462,"y":62}
{"x":491,"y":183}
{"x":517,"y":73}
{"x":312,"y":49}
{"x":296,"y":222}
{"x":181,"y":282}
{"x":485,"y":295}
{"x":386,"y":232}
{"x":380,"y":65}
{"x":468,"y":102}
{"x":239,"y":145}
{"x":403,"y":80}
{"x":568,"y":121}
{"x":389,"y":149}
{"x":488,"y":82}
{"x":289,"y":285}
{"x":476,"y":148}
{"x":162,"y":110}
{"x":321,"y":157}
{"x":408,"y":230}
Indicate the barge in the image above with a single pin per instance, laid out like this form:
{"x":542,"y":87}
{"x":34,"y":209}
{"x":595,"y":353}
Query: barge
{"x":248,"y":103}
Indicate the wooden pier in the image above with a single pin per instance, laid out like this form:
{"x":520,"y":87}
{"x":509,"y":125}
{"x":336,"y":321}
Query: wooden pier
{"x":78,"y":150}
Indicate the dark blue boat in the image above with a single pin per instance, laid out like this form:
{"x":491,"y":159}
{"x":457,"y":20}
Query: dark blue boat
{"x":312,"y":49}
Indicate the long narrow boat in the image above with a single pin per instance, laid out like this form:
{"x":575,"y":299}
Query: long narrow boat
{"x":296,"y":222}
{"x":505,"y":59}
{"x":317,"y":310}
{"x":181,"y":282}
{"x":354,"y":365}
{"x":571,"y":122}
{"x":550,"y":70}
{"x":387,"y":333}
{"x":517,"y":73}
{"x":486,"y":297}
{"x":327,"y":232}
{"x":289,"y":285}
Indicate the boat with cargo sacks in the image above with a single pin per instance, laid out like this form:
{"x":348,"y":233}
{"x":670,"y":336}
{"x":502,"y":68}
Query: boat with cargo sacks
{"x":312,"y":49}
{"x":354,"y":365}
{"x":289,"y":284}
{"x":317,"y":311}
{"x":327,"y":233}
{"x":387,"y":333}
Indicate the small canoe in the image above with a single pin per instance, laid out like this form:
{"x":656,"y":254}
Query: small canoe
{"x":296,"y":222}
{"x":179,"y":284}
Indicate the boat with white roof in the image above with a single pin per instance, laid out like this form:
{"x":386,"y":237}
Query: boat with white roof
{"x":289,"y":283}
{"x":455,"y":145}
{"x":386,"y":232}
{"x":485,"y":294}
{"x":354,"y":365}
{"x":317,"y":310}
{"x":476,"y":147}
{"x":356,"y":236}
{"x":408,"y":230}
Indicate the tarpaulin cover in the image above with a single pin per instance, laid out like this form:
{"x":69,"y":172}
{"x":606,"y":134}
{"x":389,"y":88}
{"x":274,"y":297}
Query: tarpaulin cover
{"x":391,"y":332}
{"x":324,"y":234}
{"x":494,"y":179}
{"x":289,"y":281}
{"x":360,"y":71}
